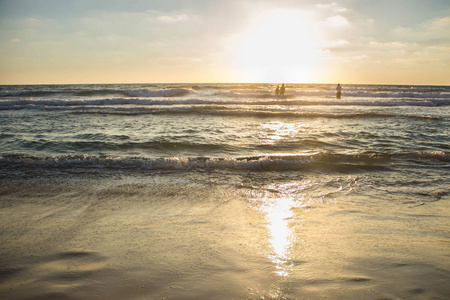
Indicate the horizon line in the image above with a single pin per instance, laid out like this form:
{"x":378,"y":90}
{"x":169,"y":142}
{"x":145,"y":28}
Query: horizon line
{"x":222,"y":82}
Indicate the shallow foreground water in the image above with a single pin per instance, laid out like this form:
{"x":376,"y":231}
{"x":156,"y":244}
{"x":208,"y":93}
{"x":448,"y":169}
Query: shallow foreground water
{"x":217,"y":235}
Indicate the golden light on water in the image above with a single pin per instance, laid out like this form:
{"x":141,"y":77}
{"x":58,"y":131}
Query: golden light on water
{"x":278,"y":212}
{"x":274,"y":131}
{"x":279,"y":200}
{"x":278,"y":204}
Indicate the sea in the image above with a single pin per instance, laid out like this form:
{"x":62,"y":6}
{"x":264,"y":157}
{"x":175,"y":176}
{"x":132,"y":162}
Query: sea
{"x":224,"y":191}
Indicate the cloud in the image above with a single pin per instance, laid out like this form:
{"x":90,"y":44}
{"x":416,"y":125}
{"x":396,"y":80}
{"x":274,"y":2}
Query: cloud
{"x":333,"y":7}
{"x":390,"y":45}
{"x":338,"y":43}
{"x":176,"y":18}
{"x":160,"y":35}
{"x":337,"y":21}
{"x":435,"y":30}
{"x":438,"y":29}
{"x":364,"y":35}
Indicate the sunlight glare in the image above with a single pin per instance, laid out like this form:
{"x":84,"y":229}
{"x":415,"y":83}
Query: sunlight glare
{"x":272,"y":132}
{"x":279,"y":46}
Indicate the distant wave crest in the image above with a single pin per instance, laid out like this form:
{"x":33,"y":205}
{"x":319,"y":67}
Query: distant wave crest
{"x":177,"y":92}
{"x":141,"y":105}
{"x":157,"y":93}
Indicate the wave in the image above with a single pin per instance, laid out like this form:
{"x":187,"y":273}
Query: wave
{"x":275,"y":162}
{"x":177,"y":92}
{"x":158,"y":93}
{"x":248,"y":113}
{"x":101,"y":142}
{"x":391,"y":95}
{"x":226,"y":91}
{"x":294,"y":94}
{"x":71,"y":104}
{"x":61,"y":103}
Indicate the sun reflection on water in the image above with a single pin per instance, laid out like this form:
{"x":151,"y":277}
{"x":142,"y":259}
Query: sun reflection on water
{"x":278,"y":213}
{"x":275,"y":131}
{"x":277,"y":205}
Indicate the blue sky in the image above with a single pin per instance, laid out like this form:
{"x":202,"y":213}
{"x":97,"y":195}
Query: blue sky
{"x":350,"y":41}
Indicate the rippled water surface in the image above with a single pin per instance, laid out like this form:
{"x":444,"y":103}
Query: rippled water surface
{"x":202,"y":191}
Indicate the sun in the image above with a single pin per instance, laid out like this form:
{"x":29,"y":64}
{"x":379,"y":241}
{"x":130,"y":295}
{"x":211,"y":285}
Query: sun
{"x":278,"y":46}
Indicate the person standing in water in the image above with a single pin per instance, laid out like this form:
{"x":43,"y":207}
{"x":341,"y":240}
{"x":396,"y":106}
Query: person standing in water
{"x":282,"y":90}
{"x":277,"y":90}
{"x":339,"y":91}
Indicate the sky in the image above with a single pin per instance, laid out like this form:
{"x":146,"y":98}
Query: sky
{"x":187,"y":41}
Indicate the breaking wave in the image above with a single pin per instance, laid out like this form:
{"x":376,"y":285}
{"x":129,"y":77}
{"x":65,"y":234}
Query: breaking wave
{"x":276,"y":162}
{"x":141,"y":104}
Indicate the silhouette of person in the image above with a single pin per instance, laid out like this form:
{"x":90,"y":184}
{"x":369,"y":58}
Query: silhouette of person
{"x":282,"y":89}
{"x":339,"y":91}
{"x":277,"y":90}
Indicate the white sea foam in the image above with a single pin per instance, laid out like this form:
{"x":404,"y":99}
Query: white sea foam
{"x":158,"y":93}
{"x":245,"y":92}
{"x":39,"y":104}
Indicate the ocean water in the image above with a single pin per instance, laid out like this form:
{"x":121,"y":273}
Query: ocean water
{"x":224,"y":191}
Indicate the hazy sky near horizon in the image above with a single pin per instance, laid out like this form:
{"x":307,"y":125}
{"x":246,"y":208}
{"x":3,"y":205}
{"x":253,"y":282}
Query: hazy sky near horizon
{"x":111,"y":41}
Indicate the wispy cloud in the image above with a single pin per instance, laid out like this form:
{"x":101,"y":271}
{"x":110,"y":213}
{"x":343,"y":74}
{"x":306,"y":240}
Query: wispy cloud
{"x":337,"y":21}
{"x":176,"y":18}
